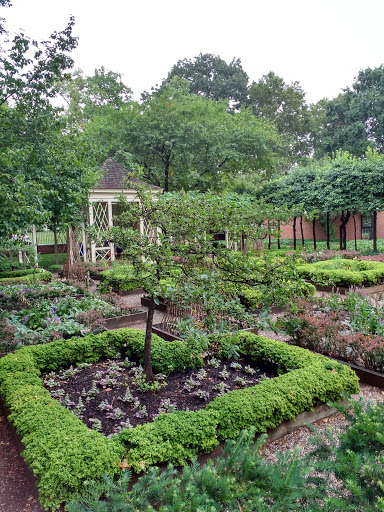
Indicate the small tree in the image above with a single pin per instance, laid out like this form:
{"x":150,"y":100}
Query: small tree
{"x":175,"y":236}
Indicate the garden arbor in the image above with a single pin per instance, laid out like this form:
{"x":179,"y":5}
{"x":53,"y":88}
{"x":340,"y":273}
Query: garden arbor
{"x":104,"y":208}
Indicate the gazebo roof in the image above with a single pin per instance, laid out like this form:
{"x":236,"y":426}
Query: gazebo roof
{"x":114,"y":177}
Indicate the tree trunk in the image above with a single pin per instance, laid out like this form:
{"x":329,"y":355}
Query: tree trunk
{"x":278,"y":240}
{"x":314,"y":233}
{"x":302,"y":232}
{"x":55,"y":242}
{"x":375,"y":231}
{"x":269,"y":242}
{"x":354,"y":230}
{"x":328,"y":245}
{"x":343,"y":229}
{"x":294,"y":233}
{"x":147,"y":344}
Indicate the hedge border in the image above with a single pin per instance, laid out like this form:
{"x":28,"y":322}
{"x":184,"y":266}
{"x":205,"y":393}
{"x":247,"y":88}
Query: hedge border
{"x":40,"y":275}
{"x":373,"y":274}
{"x":62,"y":452}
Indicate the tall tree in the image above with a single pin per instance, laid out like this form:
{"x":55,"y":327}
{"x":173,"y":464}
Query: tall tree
{"x":355,"y":119}
{"x":186,"y":141}
{"x":36,"y":150}
{"x":212,"y":77}
{"x":87,"y":96}
{"x":284,"y":105}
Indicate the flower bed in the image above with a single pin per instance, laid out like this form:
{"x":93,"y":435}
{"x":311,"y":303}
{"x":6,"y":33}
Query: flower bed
{"x":342,"y":272}
{"x":350,"y":329}
{"x":63,"y":453}
{"x":17,"y":296}
{"x":47,"y":319}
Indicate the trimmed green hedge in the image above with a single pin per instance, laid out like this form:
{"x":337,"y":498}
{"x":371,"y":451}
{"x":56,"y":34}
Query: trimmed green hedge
{"x":120,"y":278}
{"x":342,"y":272}
{"x":63,"y":452}
{"x":26,"y":275}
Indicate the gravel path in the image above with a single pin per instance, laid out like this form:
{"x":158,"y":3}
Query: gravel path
{"x":18,"y":492}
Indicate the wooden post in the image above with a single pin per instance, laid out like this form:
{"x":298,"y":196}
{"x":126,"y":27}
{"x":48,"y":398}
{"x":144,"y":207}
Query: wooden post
{"x":328,"y":246}
{"x":314,"y":233}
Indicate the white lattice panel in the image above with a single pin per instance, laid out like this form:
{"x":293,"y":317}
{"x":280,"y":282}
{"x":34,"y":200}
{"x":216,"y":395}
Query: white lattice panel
{"x":150,"y":231}
{"x":103,"y":254}
{"x":100,"y":216}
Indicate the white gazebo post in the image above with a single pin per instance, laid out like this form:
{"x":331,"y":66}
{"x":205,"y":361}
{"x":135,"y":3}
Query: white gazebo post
{"x":85,"y":245}
{"x":110,"y":224}
{"x":34,"y":241}
{"x":93,"y":245}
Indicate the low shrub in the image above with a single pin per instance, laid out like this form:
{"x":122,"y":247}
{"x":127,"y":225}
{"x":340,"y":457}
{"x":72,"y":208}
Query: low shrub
{"x":265,"y":296}
{"x":63,"y":452}
{"x":121,"y":278}
{"x":27,"y":275}
{"x":315,"y":256}
{"x":342,"y":272}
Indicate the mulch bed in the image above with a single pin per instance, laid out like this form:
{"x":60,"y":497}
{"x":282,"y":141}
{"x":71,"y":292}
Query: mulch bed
{"x":106,"y":405}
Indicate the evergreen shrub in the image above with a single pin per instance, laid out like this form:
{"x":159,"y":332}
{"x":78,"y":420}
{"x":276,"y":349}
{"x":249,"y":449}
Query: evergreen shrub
{"x":342,"y":272}
{"x":25,"y":275}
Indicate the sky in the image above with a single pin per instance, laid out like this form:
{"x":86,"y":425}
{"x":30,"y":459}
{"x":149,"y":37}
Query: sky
{"x":322,"y":44}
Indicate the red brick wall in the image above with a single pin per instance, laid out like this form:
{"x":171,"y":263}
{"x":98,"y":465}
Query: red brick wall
{"x":287,"y":230}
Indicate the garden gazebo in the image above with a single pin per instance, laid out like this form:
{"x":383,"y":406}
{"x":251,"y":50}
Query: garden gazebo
{"x":103,"y":208}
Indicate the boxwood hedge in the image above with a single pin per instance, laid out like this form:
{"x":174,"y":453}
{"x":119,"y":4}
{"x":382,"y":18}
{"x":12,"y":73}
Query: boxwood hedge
{"x":63,"y":453}
{"x":25,"y":275}
{"x":342,"y":272}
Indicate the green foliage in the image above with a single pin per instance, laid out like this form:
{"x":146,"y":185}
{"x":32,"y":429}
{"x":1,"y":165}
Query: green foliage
{"x":27,"y":275}
{"x":342,"y":272}
{"x":356,"y":459}
{"x":175,"y":437}
{"x":121,"y":278}
{"x":203,"y":154}
{"x":211,"y":76}
{"x":284,"y":105}
{"x":353,"y":120}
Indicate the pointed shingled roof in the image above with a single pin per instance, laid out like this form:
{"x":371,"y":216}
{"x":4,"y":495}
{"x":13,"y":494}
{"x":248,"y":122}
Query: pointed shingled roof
{"x":114,"y":176}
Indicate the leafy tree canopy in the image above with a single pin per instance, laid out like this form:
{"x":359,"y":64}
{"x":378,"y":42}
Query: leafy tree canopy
{"x":212,"y":77}
{"x":36,"y":149}
{"x":284,"y":104}
{"x":88,"y":96}
{"x":355,"y":119}
{"x":187,"y":141}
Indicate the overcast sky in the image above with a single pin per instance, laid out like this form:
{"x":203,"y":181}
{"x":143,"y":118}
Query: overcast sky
{"x":320,"y":43}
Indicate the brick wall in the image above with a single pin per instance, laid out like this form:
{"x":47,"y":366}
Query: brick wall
{"x":287,"y":229}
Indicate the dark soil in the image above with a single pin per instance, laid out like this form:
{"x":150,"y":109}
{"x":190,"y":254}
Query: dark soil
{"x":109,"y":408}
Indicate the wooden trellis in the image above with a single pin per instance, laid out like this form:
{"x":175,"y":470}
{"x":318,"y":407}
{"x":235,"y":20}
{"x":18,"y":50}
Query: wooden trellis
{"x":174,"y":314}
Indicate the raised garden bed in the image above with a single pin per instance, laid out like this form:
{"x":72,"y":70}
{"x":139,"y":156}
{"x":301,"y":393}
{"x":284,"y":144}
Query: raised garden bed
{"x":63,"y":453}
{"x":167,"y":335}
{"x":162,"y":306}
{"x":119,"y":322}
